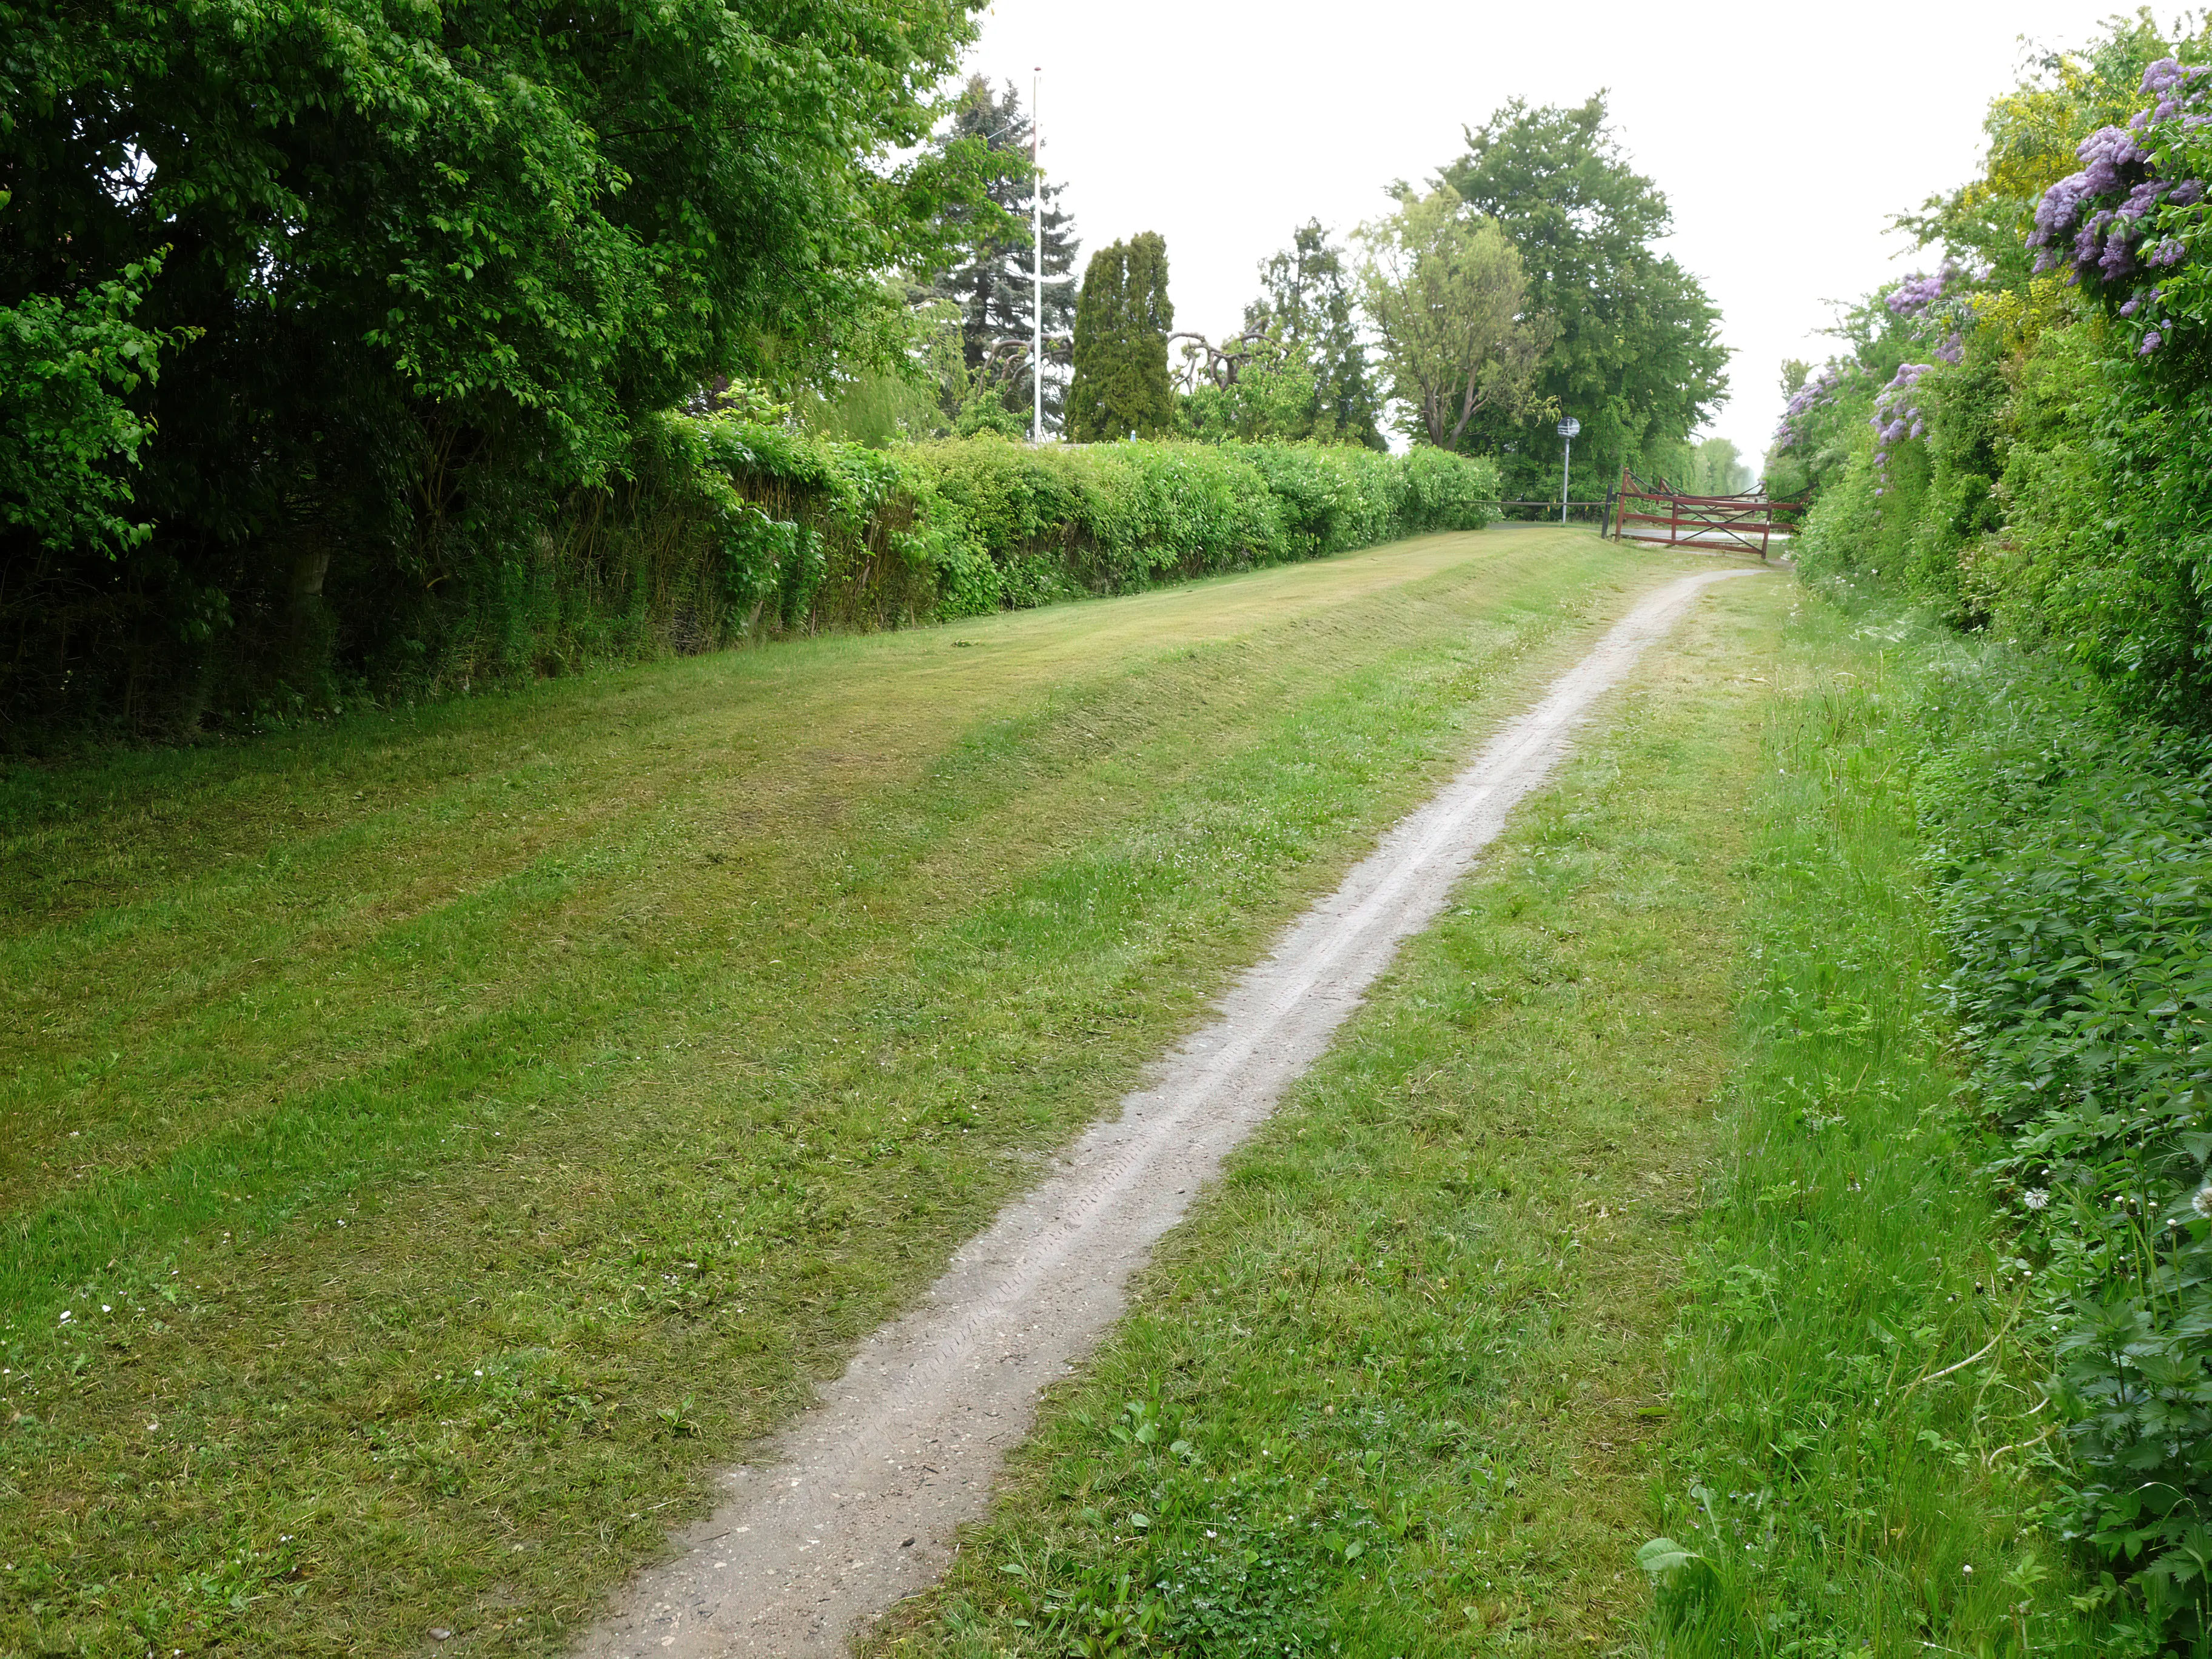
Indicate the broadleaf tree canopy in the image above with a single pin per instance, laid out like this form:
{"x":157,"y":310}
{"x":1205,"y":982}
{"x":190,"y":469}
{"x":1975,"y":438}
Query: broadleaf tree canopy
{"x":425,"y":262}
{"x":1444,"y":290}
{"x":1635,"y":353}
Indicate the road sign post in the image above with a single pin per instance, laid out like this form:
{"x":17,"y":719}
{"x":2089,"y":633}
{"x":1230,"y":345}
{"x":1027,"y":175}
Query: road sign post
{"x":1568,"y":427}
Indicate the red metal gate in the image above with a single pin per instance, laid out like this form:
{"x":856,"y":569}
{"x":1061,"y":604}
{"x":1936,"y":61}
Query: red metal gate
{"x":1666,"y":516}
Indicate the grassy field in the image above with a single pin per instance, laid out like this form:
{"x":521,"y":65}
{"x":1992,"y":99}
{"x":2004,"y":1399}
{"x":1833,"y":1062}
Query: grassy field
{"x":1633,"y":1205}
{"x":434,"y":1141}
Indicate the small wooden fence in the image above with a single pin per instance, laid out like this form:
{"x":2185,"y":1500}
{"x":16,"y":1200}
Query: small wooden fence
{"x":1658,"y":513}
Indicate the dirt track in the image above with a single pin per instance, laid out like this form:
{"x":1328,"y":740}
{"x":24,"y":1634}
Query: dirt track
{"x":859,"y":1501}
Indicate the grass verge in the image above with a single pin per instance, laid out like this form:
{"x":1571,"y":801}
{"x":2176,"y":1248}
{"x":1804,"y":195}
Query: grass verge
{"x":450,"y":1135}
{"x":1856,"y":1464}
{"x":1634,"y":1207}
{"x":1392,"y":1389}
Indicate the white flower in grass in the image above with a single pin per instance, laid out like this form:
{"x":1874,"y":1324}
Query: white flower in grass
{"x":2203,"y":1202}
{"x":2036,"y":1198}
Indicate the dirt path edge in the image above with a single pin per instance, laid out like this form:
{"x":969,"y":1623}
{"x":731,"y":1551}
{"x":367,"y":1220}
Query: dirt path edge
{"x":857,"y":1505}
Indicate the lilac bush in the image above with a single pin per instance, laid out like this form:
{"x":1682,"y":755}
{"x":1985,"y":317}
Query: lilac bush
{"x":1897,"y":417}
{"x":1820,"y":387}
{"x":2136,"y":206}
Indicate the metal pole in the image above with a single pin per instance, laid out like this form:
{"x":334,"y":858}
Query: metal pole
{"x":1566,"y":466}
{"x":1037,"y":270}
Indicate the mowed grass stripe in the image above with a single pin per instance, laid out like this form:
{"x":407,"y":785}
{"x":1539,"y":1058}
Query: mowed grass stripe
{"x":440,"y":1315}
{"x":326,"y":952}
{"x":1394,"y":1390}
{"x":261,"y":992}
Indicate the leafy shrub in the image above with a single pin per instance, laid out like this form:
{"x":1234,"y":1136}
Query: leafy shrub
{"x":2074,"y":874}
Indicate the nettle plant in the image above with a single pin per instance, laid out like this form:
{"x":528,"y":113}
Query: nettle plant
{"x":2128,"y":224}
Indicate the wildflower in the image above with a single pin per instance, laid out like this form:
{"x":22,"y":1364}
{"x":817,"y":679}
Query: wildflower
{"x":2202,"y":1203}
{"x":2036,"y":1198}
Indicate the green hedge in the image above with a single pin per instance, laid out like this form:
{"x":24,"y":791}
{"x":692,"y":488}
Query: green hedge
{"x":725,"y":529}
{"x":809,"y":534}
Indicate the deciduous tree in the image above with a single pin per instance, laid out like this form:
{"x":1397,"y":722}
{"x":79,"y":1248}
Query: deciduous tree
{"x":1635,"y":353}
{"x":1443,"y":289}
{"x":433,"y":261}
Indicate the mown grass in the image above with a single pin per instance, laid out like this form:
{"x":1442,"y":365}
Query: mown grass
{"x":1635,"y":1204}
{"x":451,"y":1134}
{"x":1392,"y":1389}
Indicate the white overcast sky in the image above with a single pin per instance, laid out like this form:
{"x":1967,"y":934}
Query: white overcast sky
{"x":1785,"y":135}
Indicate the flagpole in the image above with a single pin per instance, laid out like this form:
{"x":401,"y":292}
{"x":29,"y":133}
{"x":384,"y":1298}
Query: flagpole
{"x":1037,"y":270}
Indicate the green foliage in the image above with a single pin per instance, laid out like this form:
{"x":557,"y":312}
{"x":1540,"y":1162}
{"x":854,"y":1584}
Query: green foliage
{"x":1272,"y":395}
{"x":986,"y":272}
{"x":1051,"y":522}
{"x":2075,"y":886}
{"x":436,"y":264}
{"x":2109,"y":537}
{"x":1860,"y":1457}
{"x":68,"y":438}
{"x":1123,"y":318}
{"x":1634,"y":352}
{"x":1446,"y":290}
{"x":1306,"y":307}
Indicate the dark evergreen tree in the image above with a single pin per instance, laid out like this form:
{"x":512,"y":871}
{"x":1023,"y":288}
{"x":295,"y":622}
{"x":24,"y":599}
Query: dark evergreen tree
{"x":1307,"y":305}
{"x":1636,"y":354}
{"x":1122,"y":324}
{"x":990,"y":279}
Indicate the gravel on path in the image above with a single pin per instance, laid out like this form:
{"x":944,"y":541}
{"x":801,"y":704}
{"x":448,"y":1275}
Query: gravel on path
{"x":856,"y":1505}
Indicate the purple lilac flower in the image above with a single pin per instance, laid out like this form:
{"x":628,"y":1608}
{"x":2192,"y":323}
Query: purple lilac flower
{"x":2151,"y":343}
{"x":1953,"y":350}
{"x":2142,"y":200}
{"x":2167,"y":253}
{"x":2188,"y":193}
{"x":1818,"y":389}
{"x":2058,"y":210}
{"x":2165,"y":75}
{"x":2132,"y":307}
{"x":1916,"y":294}
{"x":2105,"y":155}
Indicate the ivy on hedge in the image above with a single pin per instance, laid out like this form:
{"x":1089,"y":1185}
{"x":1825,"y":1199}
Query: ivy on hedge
{"x":841,"y":536}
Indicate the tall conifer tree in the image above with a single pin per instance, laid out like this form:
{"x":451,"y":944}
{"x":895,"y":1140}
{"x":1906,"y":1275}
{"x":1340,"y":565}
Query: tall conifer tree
{"x":990,"y":278}
{"x":1307,"y":305}
{"x":1122,"y":324}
